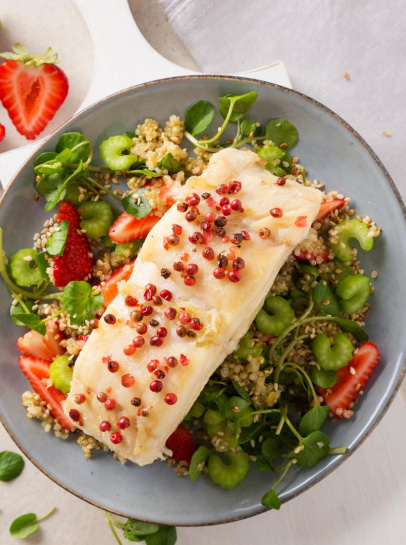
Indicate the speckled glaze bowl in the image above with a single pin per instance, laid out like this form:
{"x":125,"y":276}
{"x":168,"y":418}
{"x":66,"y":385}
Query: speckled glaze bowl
{"x":334,"y":154}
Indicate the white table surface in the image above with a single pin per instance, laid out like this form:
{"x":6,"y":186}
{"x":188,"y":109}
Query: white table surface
{"x":364,"y":500}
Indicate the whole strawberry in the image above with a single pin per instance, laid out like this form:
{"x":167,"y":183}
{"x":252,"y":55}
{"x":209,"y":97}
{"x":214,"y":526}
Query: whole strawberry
{"x":76,"y":262}
{"x":31,"y":89}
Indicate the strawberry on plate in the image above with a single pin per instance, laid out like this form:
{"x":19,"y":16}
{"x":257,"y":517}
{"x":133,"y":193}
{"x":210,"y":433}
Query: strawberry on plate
{"x":181,"y":444}
{"x":127,"y":227}
{"x":36,"y":371}
{"x":329,"y":205}
{"x":31,"y":89}
{"x":76,"y":262}
{"x":351,"y":380}
{"x":109,"y":287}
{"x":2,"y":132}
{"x":46,"y":347}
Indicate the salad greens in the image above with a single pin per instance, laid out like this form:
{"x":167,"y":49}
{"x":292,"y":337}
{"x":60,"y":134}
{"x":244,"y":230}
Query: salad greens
{"x":11,"y":465}
{"x":25,"y":525}
{"x":136,"y":531}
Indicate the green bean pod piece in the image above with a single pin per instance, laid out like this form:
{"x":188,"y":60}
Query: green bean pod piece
{"x":346,"y":230}
{"x":275,"y":317}
{"x":331,"y":358}
{"x":354,"y":292}
{"x":228,"y":475}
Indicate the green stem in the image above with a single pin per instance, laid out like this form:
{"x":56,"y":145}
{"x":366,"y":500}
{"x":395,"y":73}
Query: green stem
{"x":198,"y":143}
{"x":53,"y":316}
{"x":102,"y":188}
{"x":297,"y":369}
{"x":338,"y":450}
{"x":51,"y":512}
{"x":290,"y":425}
{"x":284,"y":354}
{"x":21,"y":302}
{"x":111,"y":523}
{"x":286,"y":469}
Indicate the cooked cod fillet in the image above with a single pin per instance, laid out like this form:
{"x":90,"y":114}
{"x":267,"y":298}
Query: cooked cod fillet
{"x":195,"y":320}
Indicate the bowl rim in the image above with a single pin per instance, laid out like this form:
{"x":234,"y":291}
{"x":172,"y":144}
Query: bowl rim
{"x":258,"y":82}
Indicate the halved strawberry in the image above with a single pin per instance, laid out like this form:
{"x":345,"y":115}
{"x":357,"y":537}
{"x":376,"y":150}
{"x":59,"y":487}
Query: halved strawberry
{"x":2,"y":132}
{"x":109,"y":287}
{"x":46,"y":346}
{"x":76,"y":262}
{"x":351,"y":380}
{"x":327,"y":206}
{"x":36,"y":371}
{"x":31,"y":89}
{"x":127,"y":228}
{"x":181,"y":444}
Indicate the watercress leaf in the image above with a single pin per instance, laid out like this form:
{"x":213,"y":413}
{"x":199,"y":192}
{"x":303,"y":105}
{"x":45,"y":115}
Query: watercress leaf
{"x":198,"y":459}
{"x":49,"y":186}
{"x":271,"y":500}
{"x":169,"y":163}
{"x":145,"y":172}
{"x":56,"y":243}
{"x":42,"y":265}
{"x":352,"y":327}
{"x":270,"y":447}
{"x":24,"y":526}
{"x":198,"y":117}
{"x":11,"y":465}
{"x":263,"y":464}
{"x":313,"y":420}
{"x":240,"y":104}
{"x":325,"y":299}
{"x":166,"y":535}
{"x":71,"y":140}
{"x":234,"y":407}
{"x":58,"y":192}
{"x":80,"y":301}
{"x":251,"y":432}
{"x":211,"y":399}
{"x":241,"y":392}
{"x":137,"y":204}
{"x":311,"y":450}
{"x":46,"y":157}
{"x":18,"y":309}
{"x":136,"y":530}
{"x":249,"y":128}
{"x":33,"y":321}
{"x":309,"y":269}
{"x":281,"y":131}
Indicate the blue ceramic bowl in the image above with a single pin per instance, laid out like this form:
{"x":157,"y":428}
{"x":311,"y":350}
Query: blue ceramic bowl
{"x":333,"y":153}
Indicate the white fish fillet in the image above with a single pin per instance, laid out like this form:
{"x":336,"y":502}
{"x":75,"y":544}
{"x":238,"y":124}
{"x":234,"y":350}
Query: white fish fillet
{"x":226,"y":309}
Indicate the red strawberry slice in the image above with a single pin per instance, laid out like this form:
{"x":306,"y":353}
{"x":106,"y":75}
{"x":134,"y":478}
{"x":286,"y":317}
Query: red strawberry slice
{"x":109,"y":287}
{"x":46,"y":346}
{"x":127,"y":228}
{"x":351,"y":380}
{"x":317,"y":252}
{"x":36,"y":371}
{"x":31,"y":89}
{"x":328,"y":206}
{"x":2,"y":132}
{"x":181,"y":444}
{"x":76,"y":262}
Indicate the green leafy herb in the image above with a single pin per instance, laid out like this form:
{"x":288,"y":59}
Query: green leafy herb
{"x":199,"y":458}
{"x":313,"y":419}
{"x":198,"y":117}
{"x":325,"y":299}
{"x":77,"y":143}
{"x":25,"y":525}
{"x":31,"y":320}
{"x":311,"y":449}
{"x":137,"y":205}
{"x":281,"y":131}
{"x":169,"y":163}
{"x":136,"y":531}
{"x":80,"y":301}
{"x":11,"y":465}
{"x":271,"y":500}
{"x":56,"y":242}
{"x":235,"y":107}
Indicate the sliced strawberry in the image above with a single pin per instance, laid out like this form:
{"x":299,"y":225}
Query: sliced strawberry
{"x":127,"y":228}
{"x":46,"y":346}
{"x":37,"y":372}
{"x":109,"y":287}
{"x":2,"y":132}
{"x":31,"y":89}
{"x":351,"y":380}
{"x":76,"y":262}
{"x":181,"y":444}
{"x":328,"y":206}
